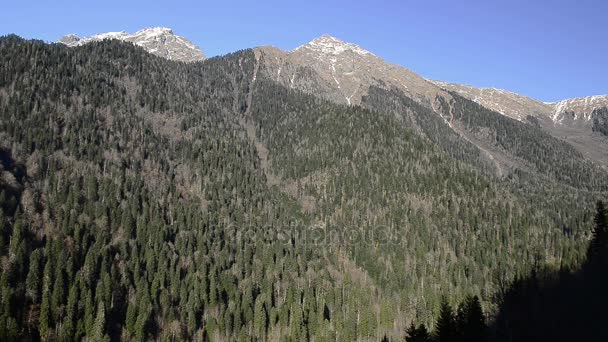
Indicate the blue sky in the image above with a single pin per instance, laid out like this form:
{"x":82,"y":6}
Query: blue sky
{"x":549,"y":50}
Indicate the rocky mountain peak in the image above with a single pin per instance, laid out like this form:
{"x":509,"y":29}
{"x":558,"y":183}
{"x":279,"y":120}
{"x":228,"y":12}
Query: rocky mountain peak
{"x":160,"y":41}
{"x":580,"y":108}
{"x":155,"y":31}
{"x":342,"y":72}
{"x":69,"y":39}
{"x":329,"y":45}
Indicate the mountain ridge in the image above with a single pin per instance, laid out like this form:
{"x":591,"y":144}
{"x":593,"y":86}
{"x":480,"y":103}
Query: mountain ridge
{"x":160,"y":41}
{"x":498,"y":100}
{"x":328,"y":44}
{"x":344,"y":73}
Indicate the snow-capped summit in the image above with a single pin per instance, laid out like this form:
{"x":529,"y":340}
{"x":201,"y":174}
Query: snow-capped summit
{"x":160,"y":41}
{"x":329,"y":45}
{"x":154,"y":31}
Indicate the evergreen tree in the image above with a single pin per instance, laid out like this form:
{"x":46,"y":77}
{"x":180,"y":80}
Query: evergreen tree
{"x":474,"y":326}
{"x":597,"y":252}
{"x":445,"y":329}
{"x":33,"y":281}
{"x":99,"y":326}
{"x":45,"y":316}
{"x":417,"y":334}
{"x":260,"y":317}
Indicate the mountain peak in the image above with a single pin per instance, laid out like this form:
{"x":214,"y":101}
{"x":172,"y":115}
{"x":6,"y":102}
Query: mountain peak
{"x":581,"y":107}
{"x":330,"y":45}
{"x":160,"y":41}
{"x":154,"y":31}
{"x":69,"y":39}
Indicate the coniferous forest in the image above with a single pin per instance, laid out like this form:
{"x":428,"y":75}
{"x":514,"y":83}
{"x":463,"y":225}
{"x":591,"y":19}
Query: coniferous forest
{"x":147,"y":199}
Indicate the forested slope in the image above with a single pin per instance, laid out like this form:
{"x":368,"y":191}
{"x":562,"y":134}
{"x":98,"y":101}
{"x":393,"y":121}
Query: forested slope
{"x":148,"y":199}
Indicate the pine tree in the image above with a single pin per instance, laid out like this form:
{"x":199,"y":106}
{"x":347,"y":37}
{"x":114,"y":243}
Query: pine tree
{"x":99,"y":326}
{"x":57,"y":296}
{"x":32,"y":283}
{"x":260,"y":317}
{"x":71,"y":314}
{"x":417,"y":334}
{"x":45,"y":316}
{"x":474,"y":328}
{"x":3,"y":225}
{"x":597,"y":252}
{"x":9,"y":330}
{"x":445,"y":326}
{"x":131,"y":318}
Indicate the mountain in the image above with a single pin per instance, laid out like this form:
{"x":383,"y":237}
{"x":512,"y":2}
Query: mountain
{"x":342,"y":72}
{"x":580,"y":122}
{"x":574,"y":111}
{"x":513,"y":105}
{"x":347,"y":74}
{"x":159,"y":41}
{"x":578,"y":110}
{"x":244,"y":197}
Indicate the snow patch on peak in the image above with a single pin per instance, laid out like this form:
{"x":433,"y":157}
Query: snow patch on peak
{"x":154,"y":31}
{"x":581,"y":107}
{"x":160,"y":41}
{"x":329,"y":45}
{"x":587,"y":99}
{"x":69,"y":39}
{"x":108,"y":35}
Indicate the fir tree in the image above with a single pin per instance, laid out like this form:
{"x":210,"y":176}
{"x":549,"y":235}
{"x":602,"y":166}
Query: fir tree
{"x":445,"y":326}
{"x":597,"y":252}
{"x":417,"y":334}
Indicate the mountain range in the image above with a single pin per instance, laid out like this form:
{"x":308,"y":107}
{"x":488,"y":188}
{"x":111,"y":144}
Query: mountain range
{"x":343,"y":72}
{"x":320,"y":194}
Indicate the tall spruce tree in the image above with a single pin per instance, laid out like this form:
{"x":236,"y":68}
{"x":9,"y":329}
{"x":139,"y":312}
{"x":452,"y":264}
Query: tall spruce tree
{"x":597,"y":252}
{"x":417,"y":334}
{"x":474,"y":327}
{"x":445,"y":329}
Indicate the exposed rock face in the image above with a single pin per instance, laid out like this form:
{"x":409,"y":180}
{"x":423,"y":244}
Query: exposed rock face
{"x":572,"y":111}
{"x":343,"y":72}
{"x":70,"y":40}
{"x":507,"y":103}
{"x":578,"y":109}
{"x":160,"y":41}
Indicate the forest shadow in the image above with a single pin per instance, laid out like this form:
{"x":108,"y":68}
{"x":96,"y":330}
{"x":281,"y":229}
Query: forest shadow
{"x":560,"y":305}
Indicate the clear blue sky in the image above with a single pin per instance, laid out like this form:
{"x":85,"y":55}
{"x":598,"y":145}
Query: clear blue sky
{"x":549,"y":50}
